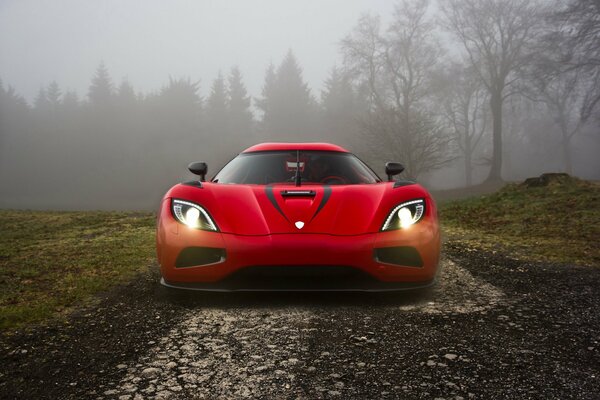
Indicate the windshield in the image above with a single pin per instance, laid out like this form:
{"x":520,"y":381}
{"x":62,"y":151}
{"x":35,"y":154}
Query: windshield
{"x":320,"y":167}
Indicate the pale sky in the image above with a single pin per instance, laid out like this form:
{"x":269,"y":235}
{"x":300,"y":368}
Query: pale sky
{"x":147,"y":41}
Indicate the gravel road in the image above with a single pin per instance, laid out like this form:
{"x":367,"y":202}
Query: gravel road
{"x":492,"y":328}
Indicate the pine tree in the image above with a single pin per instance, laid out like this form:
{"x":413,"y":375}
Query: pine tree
{"x":126,"y":98}
{"x":178,"y":109}
{"x":268,"y":97}
{"x":101,"y":89}
{"x":70,"y":100}
{"x":339,"y":108}
{"x":240,"y":116}
{"x":53,"y":95}
{"x":338,"y":97}
{"x":41,"y":103}
{"x":216,"y":108}
{"x":126,"y":92}
{"x":289,"y":109}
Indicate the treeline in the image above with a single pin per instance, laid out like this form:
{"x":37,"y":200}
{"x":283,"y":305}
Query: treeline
{"x":520,"y":98}
{"x":119,"y":148}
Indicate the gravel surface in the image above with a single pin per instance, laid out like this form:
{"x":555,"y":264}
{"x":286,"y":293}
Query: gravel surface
{"x":492,"y":328}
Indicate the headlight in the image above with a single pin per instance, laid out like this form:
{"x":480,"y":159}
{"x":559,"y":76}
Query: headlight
{"x":192,"y":215}
{"x":405,"y":215}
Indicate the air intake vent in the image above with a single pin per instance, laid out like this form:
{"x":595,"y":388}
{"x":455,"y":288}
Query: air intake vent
{"x":402,"y":256}
{"x":198,"y":256}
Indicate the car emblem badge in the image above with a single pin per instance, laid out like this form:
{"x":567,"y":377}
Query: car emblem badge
{"x":299,"y":224}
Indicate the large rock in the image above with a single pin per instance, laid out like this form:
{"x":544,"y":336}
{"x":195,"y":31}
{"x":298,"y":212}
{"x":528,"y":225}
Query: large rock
{"x":547,"y":179}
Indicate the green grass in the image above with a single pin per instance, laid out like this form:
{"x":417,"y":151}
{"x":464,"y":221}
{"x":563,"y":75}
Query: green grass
{"x":52,"y":261}
{"x":559,"y":222}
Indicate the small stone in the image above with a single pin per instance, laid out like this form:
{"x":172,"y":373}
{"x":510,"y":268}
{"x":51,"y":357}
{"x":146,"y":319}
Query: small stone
{"x":163,"y":395}
{"x":450,"y":356}
{"x":334,"y":393}
{"x":121,"y":366}
{"x":150,"y":372}
{"x":431,"y":363}
{"x":110,"y":392}
{"x":125,"y":397}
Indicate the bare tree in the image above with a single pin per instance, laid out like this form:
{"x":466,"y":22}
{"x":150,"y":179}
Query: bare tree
{"x":396,"y":68}
{"x":565,"y":95}
{"x":464,"y":101}
{"x":497,"y":36}
{"x":577,"y":31}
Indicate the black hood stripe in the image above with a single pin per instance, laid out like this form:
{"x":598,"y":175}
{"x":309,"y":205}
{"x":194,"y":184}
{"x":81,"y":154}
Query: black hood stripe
{"x":271,"y":197}
{"x":324,"y":199}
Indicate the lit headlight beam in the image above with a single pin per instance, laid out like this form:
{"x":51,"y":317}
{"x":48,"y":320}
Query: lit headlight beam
{"x":192,"y":216}
{"x":405,"y":215}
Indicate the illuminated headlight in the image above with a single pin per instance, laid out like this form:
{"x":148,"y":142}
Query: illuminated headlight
{"x":404,"y":215}
{"x":192,"y":215}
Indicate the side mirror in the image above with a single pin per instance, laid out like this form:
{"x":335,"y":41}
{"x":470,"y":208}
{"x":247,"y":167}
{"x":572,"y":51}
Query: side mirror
{"x":198,"y":168}
{"x":393,"y":168}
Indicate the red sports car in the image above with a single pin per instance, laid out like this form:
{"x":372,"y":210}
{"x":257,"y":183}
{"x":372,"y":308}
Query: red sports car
{"x":297,"y":216}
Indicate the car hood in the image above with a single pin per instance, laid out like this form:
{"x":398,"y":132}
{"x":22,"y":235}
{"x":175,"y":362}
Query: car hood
{"x":274,"y":209}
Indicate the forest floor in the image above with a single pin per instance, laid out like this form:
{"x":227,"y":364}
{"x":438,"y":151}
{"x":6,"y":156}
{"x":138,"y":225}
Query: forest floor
{"x":505,"y":320}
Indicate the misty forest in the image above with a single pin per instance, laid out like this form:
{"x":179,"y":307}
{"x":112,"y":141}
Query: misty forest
{"x":461,"y":92}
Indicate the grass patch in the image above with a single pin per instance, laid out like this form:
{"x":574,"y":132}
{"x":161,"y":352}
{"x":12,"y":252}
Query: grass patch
{"x":556,"y":221}
{"x":51,"y":261}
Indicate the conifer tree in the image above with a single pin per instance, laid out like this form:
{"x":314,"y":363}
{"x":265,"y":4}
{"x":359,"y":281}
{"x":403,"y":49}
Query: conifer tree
{"x":101,"y":89}
{"x":240,"y":116}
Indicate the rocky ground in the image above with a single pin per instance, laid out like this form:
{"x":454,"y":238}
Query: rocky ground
{"x":493,"y":328}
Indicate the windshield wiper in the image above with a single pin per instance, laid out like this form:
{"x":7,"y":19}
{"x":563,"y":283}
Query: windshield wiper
{"x":298,"y":178}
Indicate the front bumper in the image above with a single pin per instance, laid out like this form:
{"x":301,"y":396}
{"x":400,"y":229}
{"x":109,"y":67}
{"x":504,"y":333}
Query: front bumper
{"x":304,"y":252}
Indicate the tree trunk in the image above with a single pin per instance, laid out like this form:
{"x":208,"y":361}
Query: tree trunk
{"x":468,"y":171}
{"x":468,"y":150}
{"x":566,"y":145}
{"x":496,"y":106}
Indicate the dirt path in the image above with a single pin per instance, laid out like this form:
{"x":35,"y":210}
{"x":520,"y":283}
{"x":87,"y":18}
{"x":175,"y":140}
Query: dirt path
{"x":493,"y":328}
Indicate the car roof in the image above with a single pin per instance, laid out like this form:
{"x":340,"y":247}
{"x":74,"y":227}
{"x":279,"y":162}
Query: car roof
{"x":295,"y":146}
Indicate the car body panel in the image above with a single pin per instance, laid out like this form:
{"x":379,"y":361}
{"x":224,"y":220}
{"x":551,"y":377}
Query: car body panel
{"x":340,"y":226}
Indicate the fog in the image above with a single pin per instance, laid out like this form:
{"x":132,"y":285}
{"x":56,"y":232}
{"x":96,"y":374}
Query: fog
{"x":146,"y":41}
{"x":103,"y":104}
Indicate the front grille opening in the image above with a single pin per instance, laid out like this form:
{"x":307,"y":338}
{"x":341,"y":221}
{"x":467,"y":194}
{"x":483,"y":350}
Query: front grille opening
{"x":405,"y":256}
{"x":198,"y":256}
{"x":292,"y":276}
{"x":302,"y":278}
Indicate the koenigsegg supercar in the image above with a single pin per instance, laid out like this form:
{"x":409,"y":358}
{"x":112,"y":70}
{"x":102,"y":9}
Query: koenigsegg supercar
{"x":297,"y":216}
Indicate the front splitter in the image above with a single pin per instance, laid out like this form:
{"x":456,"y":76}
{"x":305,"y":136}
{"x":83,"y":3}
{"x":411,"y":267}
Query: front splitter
{"x":380,"y":287}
